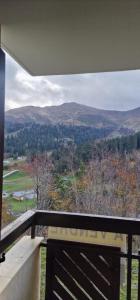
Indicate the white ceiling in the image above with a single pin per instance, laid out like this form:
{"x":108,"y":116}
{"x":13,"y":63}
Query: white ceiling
{"x":72,"y":36}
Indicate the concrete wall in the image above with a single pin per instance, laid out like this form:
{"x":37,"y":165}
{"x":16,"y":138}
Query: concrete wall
{"x":20,"y":273}
{"x":63,"y":37}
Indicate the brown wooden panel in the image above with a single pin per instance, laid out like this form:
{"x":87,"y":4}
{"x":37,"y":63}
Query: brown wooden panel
{"x":91,"y":274}
{"x":78,"y":269}
{"x":79,"y":275}
{"x":55,"y":297}
{"x":100,"y":265}
{"x":60,"y":290}
{"x":68,"y":281}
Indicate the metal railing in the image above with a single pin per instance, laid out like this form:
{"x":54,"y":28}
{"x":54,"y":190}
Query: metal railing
{"x":31,"y":219}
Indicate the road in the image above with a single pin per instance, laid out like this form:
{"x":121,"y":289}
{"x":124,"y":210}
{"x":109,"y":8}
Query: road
{"x":10,"y":173}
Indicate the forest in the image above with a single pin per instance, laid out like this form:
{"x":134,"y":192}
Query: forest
{"x":109,"y":185}
{"x":23,"y":139}
{"x":101,"y":177}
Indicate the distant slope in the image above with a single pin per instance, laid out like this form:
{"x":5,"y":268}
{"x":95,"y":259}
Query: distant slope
{"x":120,"y":122}
{"x":39,"y":138}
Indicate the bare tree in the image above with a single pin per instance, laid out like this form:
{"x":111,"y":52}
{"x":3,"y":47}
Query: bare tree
{"x":41,"y":167}
{"x":109,"y":186}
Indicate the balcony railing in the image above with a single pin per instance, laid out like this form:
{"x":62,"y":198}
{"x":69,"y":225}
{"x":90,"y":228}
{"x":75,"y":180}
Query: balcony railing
{"x":31,"y":219}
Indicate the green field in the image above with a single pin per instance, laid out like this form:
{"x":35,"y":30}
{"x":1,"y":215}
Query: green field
{"x":43,"y":273}
{"x":16,"y":175}
{"x":20,"y":206}
{"x":134,"y":283}
{"x":17,"y":182}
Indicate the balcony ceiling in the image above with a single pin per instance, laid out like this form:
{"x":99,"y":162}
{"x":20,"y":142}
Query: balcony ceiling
{"x":72,"y":36}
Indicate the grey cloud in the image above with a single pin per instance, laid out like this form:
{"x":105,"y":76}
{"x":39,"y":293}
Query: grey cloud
{"x":119,"y":90}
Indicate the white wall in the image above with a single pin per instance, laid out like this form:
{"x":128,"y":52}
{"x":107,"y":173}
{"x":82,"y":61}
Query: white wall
{"x":20,"y":273}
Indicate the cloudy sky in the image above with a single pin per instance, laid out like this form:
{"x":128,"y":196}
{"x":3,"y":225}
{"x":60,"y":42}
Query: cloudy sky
{"x":119,"y":90}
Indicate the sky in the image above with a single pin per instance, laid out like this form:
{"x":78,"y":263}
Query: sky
{"x":112,"y":90}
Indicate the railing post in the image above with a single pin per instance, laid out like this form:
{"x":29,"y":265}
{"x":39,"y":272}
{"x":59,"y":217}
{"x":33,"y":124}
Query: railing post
{"x":129,"y":266}
{"x":33,"y":232}
{"x":2,"y":108}
{"x":139,"y":276}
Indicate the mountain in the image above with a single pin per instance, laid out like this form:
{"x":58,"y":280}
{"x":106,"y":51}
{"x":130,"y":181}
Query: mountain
{"x":30,"y":129}
{"x":120,"y":122}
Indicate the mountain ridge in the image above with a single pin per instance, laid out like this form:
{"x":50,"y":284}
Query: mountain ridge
{"x":72,"y":103}
{"x":76,"y":114}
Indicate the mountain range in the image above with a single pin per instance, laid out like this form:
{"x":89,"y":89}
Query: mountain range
{"x":120,"y":122}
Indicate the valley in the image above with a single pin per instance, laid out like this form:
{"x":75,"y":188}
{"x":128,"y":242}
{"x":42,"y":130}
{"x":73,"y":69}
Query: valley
{"x":56,"y":153}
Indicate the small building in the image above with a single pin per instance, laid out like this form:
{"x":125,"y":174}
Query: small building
{"x":24,"y":195}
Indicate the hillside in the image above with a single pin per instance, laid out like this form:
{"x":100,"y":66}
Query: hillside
{"x":77,"y":115}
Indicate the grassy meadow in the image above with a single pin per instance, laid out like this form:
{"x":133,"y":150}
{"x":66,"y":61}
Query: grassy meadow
{"x":18,"y":181}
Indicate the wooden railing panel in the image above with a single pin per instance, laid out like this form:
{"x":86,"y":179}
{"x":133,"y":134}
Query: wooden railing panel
{"x":71,"y":271}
